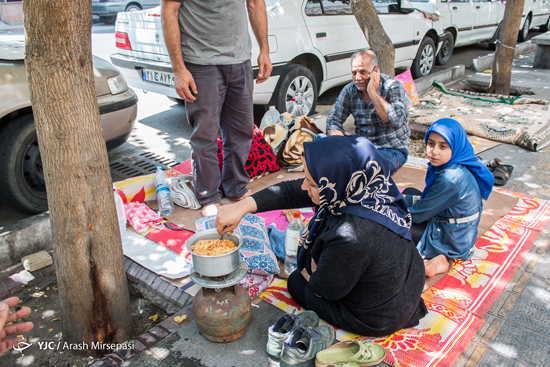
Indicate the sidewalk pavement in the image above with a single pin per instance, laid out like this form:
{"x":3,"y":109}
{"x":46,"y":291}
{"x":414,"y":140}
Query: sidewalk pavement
{"x":11,"y":28}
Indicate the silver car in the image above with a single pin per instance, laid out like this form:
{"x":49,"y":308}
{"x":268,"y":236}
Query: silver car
{"x":108,"y":9}
{"x":21,"y":176}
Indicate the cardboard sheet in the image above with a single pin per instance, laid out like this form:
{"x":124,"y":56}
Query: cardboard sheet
{"x":186,"y":218}
{"x":154,"y":257}
{"x":496,"y":207}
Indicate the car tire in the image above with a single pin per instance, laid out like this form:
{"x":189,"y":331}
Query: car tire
{"x":177,"y":100}
{"x":108,"y":19}
{"x":132,"y":7}
{"x":21,"y":175}
{"x":423,"y":64}
{"x":446,"y":51}
{"x":546,"y":26}
{"x":522,"y":36}
{"x":296,"y":91}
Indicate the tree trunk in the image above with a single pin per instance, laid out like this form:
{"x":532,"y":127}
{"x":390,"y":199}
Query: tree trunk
{"x":367,"y":18}
{"x":504,"y":56}
{"x":93,"y":291}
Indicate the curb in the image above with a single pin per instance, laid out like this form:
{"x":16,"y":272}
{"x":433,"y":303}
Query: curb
{"x":444,"y":76}
{"x":486,"y":62}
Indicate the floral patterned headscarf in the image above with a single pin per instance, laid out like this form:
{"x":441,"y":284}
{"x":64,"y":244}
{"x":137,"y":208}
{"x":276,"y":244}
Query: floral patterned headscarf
{"x":353,"y":178}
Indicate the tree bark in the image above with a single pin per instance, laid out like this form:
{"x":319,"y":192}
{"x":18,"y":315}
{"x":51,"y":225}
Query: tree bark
{"x":504,"y":55}
{"x":367,"y":17}
{"x":93,"y":290}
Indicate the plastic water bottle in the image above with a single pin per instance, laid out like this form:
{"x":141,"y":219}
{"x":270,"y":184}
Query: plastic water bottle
{"x":121,"y":214}
{"x":164,"y":198}
{"x":270,"y":117}
{"x":292,"y":239}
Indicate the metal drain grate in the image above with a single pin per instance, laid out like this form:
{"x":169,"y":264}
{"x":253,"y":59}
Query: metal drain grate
{"x":139,"y":164}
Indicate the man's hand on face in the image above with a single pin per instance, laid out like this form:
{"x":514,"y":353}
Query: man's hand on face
{"x":185,"y":86}
{"x":374,"y":81}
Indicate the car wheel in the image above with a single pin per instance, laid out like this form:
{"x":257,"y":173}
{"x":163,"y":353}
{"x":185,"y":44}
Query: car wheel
{"x":132,"y":7}
{"x":177,"y":100}
{"x":546,"y":26}
{"x":296,"y":91}
{"x":21,"y":175}
{"x":525,"y":30}
{"x":446,"y":50}
{"x":108,"y":19}
{"x":423,"y":64}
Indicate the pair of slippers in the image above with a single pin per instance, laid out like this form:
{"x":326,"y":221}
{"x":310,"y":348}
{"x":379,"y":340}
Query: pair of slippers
{"x":501,"y":172}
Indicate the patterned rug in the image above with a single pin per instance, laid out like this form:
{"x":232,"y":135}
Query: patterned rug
{"x":501,"y":119}
{"x":459,"y":301}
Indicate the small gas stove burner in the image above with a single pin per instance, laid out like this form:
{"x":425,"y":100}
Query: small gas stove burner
{"x":220,"y":282}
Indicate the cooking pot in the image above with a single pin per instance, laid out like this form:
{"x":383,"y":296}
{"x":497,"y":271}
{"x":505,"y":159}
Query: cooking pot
{"x":215,"y":266}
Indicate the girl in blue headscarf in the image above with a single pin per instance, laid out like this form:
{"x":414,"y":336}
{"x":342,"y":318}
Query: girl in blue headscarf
{"x":357,"y":267}
{"x":446,"y":215}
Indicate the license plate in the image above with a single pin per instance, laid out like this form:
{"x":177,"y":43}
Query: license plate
{"x":160,"y":77}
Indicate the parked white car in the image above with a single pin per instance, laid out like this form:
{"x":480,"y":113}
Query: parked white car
{"x":310,"y":45}
{"x":471,"y":21}
{"x":536,"y":13}
{"x":465,"y":22}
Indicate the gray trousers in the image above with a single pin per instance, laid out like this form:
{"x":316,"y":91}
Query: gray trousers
{"x":224,"y":102}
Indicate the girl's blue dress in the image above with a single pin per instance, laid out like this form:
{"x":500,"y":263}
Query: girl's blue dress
{"x":454,"y":194}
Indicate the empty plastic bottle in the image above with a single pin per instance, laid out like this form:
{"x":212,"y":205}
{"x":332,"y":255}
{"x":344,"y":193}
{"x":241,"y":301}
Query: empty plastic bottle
{"x":270,"y":117}
{"x":292,"y":239}
{"x":164,"y":198}
{"x":121,"y":214}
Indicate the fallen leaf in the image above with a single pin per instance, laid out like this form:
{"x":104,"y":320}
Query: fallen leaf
{"x":19,"y":336}
{"x":154,"y":317}
{"x":180,"y":319}
{"x":50,"y":330}
{"x":475,"y":142}
{"x":56,"y":319}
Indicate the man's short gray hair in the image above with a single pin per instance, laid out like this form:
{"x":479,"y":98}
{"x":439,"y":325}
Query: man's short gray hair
{"x":365,"y":52}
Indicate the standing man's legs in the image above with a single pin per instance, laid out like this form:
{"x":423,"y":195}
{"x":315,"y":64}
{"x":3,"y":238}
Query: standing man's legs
{"x":237,"y":127}
{"x":204,"y":117}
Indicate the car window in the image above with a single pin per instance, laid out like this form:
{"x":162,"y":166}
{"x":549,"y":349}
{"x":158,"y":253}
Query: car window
{"x":342,"y":7}
{"x":481,"y":1}
{"x":459,"y":1}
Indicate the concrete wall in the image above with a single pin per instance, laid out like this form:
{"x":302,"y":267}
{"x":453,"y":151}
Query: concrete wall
{"x":24,"y":238}
{"x":12,"y":12}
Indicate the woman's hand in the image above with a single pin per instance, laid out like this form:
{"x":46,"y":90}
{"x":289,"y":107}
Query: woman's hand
{"x":304,"y":272}
{"x":6,"y":318}
{"x":229,"y":216}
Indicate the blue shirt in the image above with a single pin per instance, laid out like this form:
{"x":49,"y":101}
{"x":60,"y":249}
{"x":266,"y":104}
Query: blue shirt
{"x":454,"y":194}
{"x":393,"y":134}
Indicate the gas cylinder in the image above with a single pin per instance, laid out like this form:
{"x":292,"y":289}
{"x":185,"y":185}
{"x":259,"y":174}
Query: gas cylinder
{"x":222,"y":315}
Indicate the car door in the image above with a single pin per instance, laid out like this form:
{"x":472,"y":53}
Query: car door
{"x":485,"y":20}
{"x":334,"y":31}
{"x":461,"y":15}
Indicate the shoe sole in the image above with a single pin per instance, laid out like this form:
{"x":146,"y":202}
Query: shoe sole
{"x":310,"y":363}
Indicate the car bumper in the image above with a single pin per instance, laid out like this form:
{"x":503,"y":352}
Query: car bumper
{"x":131,"y":68}
{"x":118,"y":116}
{"x":106,"y":8}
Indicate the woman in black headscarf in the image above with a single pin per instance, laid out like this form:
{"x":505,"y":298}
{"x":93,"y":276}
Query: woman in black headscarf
{"x":357,"y":267}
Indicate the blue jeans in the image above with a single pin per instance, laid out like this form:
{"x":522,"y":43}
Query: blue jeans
{"x":396,"y":157}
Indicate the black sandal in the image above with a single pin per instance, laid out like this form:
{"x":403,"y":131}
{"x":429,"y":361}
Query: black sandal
{"x":501,"y":176}
{"x":501,"y":172}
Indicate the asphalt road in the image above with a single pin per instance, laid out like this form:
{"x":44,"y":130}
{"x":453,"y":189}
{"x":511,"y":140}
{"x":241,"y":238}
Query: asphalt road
{"x":161,"y":127}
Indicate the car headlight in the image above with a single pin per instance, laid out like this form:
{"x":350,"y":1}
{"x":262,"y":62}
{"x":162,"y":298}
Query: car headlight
{"x":117,"y":84}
